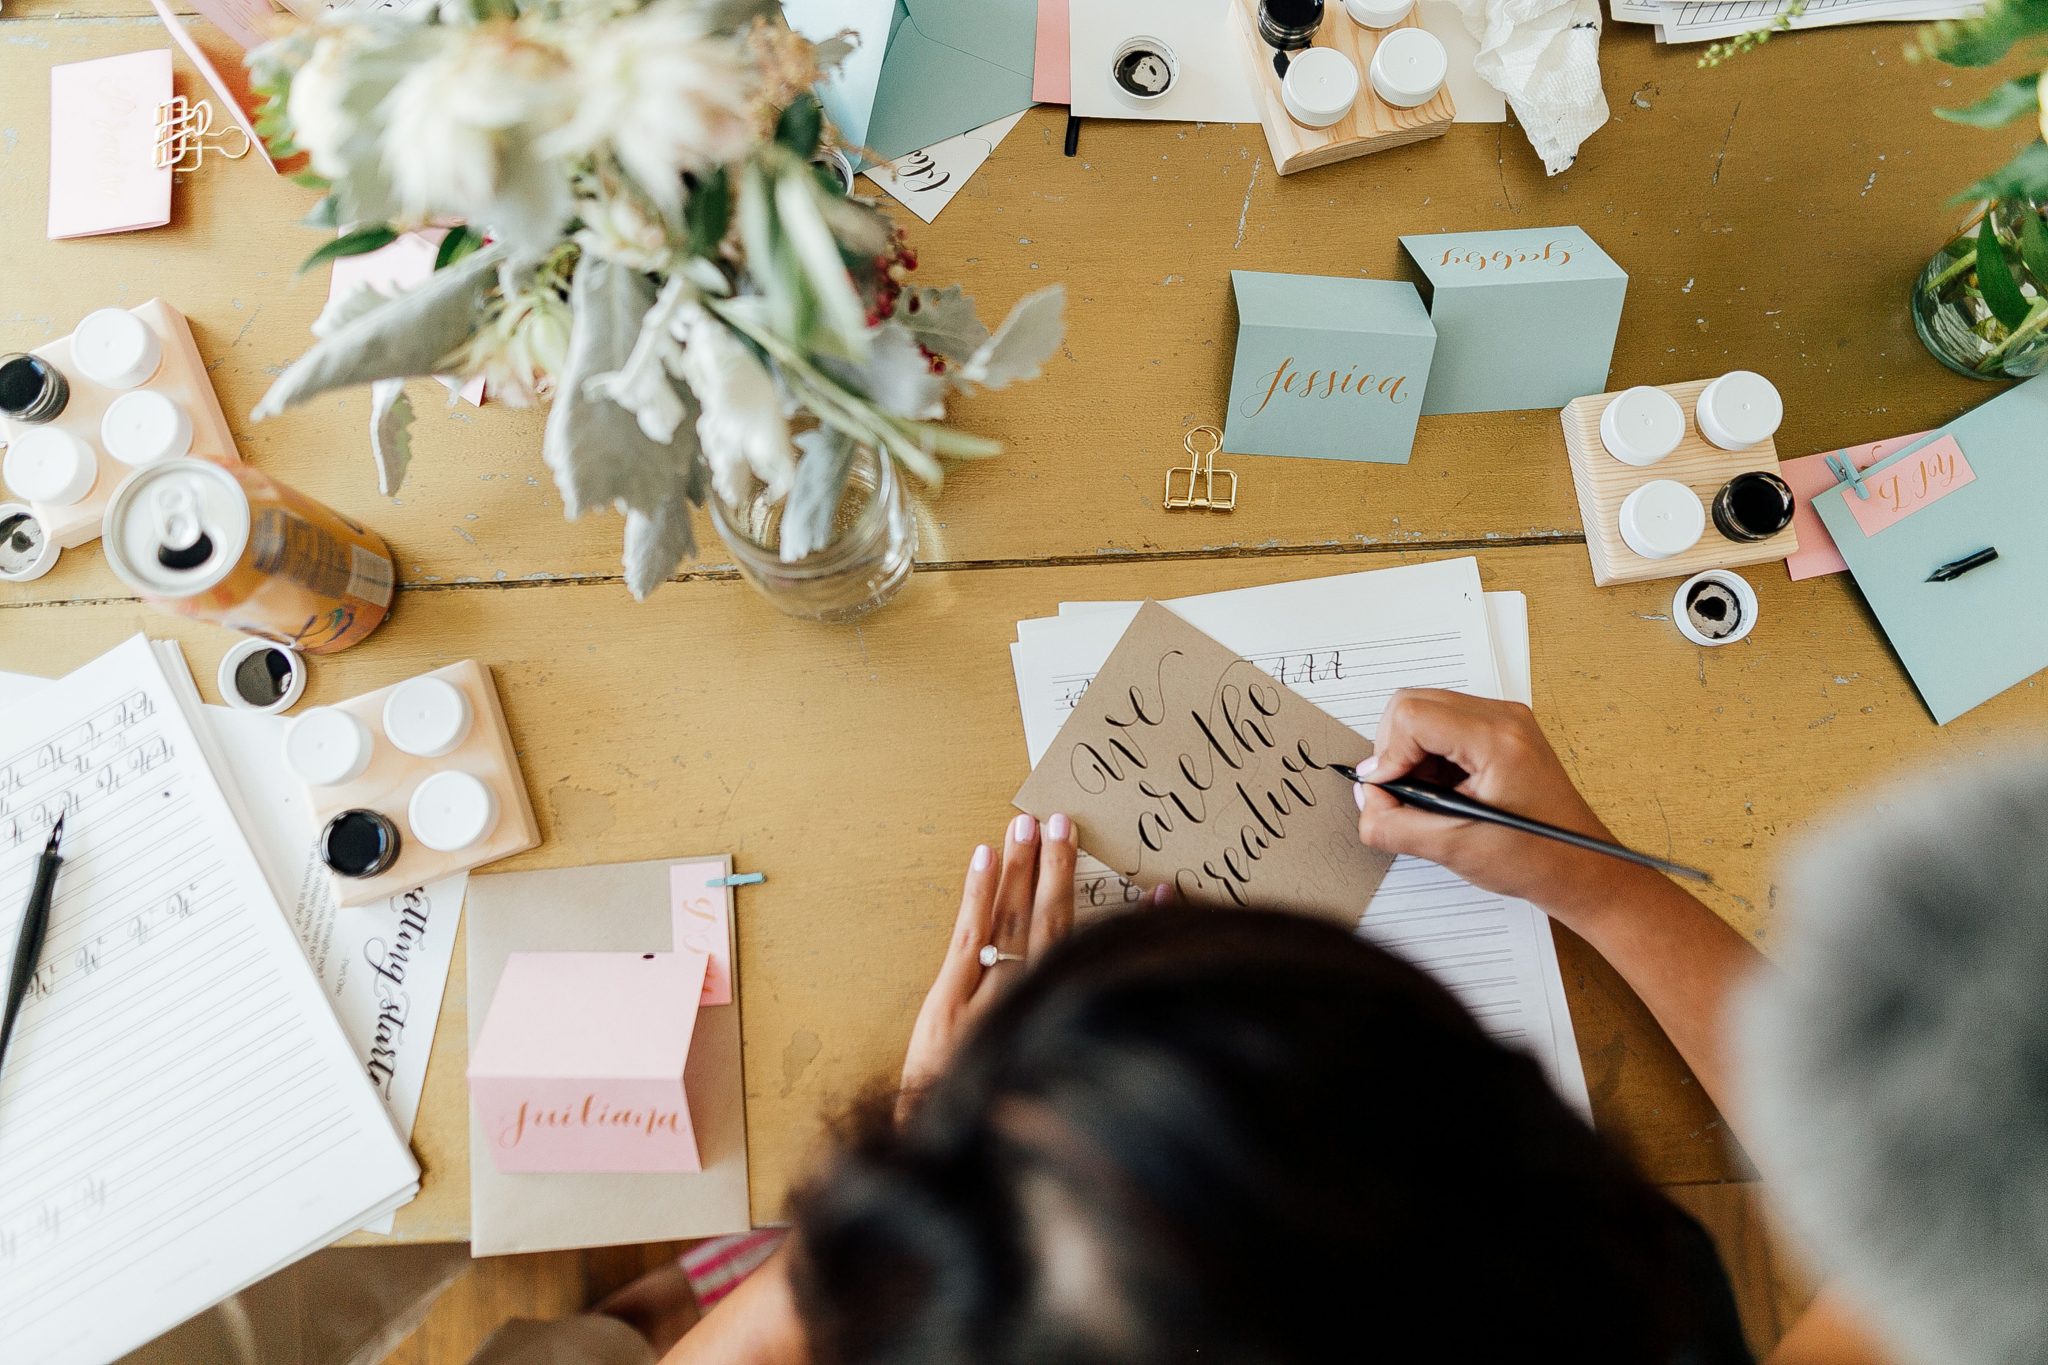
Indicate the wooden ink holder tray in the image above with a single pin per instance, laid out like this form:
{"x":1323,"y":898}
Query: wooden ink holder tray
{"x":1603,"y":482}
{"x":1373,"y":125}
{"x":181,"y":377}
{"x":387,"y":786}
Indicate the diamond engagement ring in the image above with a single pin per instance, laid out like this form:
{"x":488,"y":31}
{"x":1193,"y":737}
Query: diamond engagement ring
{"x":991,"y":955}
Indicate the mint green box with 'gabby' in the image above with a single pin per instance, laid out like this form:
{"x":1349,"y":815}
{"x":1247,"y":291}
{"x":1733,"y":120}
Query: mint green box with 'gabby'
{"x":1327,"y":368}
{"x":1525,"y":318}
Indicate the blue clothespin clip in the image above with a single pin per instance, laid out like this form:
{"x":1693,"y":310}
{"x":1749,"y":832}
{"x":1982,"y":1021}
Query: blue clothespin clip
{"x":739,"y":879}
{"x":1845,"y":471}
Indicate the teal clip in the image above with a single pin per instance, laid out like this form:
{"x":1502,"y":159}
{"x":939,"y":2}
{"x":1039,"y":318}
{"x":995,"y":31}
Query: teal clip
{"x":739,"y":879}
{"x":1845,"y":471}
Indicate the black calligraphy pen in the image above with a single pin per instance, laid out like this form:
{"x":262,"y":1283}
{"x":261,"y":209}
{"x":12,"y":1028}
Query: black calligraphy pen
{"x":1443,"y":801}
{"x":28,"y":949}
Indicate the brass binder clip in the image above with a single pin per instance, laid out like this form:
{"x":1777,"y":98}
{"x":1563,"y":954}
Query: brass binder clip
{"x":1201,"y":464}
{"x":185,"y":134}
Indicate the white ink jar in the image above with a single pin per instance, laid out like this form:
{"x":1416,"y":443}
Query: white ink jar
{"x":1378,"y":13}
{"x":26,"y":550}
{"x":144,"y":428}
{"x":451,"y":811}
{"x":258,"y":675}
{"x":1642,"y":425}
{"x":1319,"y":88}
{"x":114,"y":348}
{"x":50,"y":466}
{"x":1662,"y":518}
{"x":327,"y":747}
{"x":1714,"y":608}
{"x":1408,"y":67}
{"x":1739,"y":410}
{"x":1143,"y":69}
{"x":427,"y":717}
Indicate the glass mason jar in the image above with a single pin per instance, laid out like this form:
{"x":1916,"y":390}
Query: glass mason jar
{"x":864,"y":563}
{"x":2000,"y":333}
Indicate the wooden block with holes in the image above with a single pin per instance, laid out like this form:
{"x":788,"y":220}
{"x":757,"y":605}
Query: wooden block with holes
{"x":1373,"y":125}
{"x":1603,"y":482}
{"x":387,"y":785}
{"x":180,"y":377}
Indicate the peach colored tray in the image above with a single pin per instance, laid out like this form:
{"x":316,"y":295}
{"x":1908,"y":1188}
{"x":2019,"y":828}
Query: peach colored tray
{"x":1373,"y":125}
{"x":181,"y":377}
{"x":387,"y":786}
{"x":1602,"y":482}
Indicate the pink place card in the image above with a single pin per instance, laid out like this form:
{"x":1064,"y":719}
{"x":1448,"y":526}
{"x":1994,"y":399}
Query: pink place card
{"x":1809,"y":477}
{"x":1052,"y":76}
{"x":1910,"y":483}
{"x":579,"y":1065}
{"x":703,"y":923}
{"x":103,"y":172}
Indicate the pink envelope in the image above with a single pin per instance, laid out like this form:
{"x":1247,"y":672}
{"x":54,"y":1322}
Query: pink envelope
{"x":405,"y":264}
{"x":1809,"y":477}
{"x":103,"y":172}
{"x":1052,"y":76}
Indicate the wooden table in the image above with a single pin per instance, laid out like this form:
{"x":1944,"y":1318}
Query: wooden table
{"x":1771,"y":215}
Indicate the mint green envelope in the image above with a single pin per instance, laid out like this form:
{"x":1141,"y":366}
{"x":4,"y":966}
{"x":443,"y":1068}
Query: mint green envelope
{"x":1525,"y":318}
{"x":1327,"y":368}
{"x":923,"y":70}
{"x":1967,"y":640}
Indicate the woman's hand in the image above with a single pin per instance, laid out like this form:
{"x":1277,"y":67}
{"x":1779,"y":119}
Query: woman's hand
{"x":1495,"y":752}
{"x":1022,"y":906}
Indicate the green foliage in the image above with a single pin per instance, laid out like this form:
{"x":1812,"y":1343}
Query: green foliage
{"x":1984,"y":39}
{"x":1994,"y":276}
{"x":1720,"y":52}
{"x":708,"y":214}
{"x":2023,"y":177}
{"x":2018,"y":97}
{"x":2034,"y":247}
{"x":460,"y":241}
{"x":800,"y":126}
{"x":355,"y":243}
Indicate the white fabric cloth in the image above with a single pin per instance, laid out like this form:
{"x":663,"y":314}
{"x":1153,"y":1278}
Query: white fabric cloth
{"x":1544,"y":55}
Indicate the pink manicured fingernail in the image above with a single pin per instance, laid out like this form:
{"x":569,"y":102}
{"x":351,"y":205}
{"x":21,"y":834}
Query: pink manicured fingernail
{"x":1059,"y":829}
{"x":1162,"y":893}
{"x":983,"y":856}
{"x":1023,"y":829}
{"x":1364,"y":769}
{"x":1358,"y":794}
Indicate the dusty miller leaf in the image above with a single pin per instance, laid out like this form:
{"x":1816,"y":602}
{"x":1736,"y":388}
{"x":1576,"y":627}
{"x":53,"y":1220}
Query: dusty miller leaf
{"x":897,"y":377}
{"x":644,"y":382}
{"x":390,"y":433}
{"x":943,"y":321}
{"x":411,"y":334}
{"x":657,"y":541}
{"x":1022,"y":345}
{"x":598,"y":452}
{"x":814,"y":497}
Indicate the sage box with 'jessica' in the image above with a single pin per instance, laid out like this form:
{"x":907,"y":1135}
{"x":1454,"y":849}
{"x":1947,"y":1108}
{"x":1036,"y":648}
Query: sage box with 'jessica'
{"x":1327,"y":368}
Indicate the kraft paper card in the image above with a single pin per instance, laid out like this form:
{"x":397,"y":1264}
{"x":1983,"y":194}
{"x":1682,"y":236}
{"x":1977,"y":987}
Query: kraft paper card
{"x":623,"y":907}
{"x":103,"y":171}
{"x":1185,"y":764}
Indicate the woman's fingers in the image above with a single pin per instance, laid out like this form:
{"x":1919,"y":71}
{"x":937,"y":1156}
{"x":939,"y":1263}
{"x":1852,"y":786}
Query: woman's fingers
{"x":1010,"y":926}
{"x":960,"y":973}
{"x":1052,"y":907}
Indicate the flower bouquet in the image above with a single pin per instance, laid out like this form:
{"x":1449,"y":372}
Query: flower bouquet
{"x":650,"y":235}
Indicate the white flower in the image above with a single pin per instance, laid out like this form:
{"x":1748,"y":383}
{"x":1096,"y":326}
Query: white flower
{"x":320,"y":120}
{"x":462,"y":126}
{"x":664,"y":96}
{"x":522,"y":349}
{"x":742,"y":427}
{"x":618,"y":228}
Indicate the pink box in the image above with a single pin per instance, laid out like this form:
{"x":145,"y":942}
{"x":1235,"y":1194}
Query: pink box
{"x":580,"y":1063}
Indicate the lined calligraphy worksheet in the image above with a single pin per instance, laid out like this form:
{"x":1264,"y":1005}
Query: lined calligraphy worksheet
{"x":179,"y":1113}
{"x":1347,"y":643}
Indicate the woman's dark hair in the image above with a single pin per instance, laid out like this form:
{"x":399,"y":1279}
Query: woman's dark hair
{"x":1244,"y":1137}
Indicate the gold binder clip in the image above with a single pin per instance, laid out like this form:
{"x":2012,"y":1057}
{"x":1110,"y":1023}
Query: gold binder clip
{"x":185,"y":134}
{"x":1201,"y":464}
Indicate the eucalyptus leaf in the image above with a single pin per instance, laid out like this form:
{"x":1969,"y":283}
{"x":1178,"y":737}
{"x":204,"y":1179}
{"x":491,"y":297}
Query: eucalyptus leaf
{"x":708,"y":214}
{"x":1984,"y":38}
{"x":943,"y":321}
{"x":357,"y":243}
{"x":460,"y":241}
{"x":597,"y":450}
{"x":412,"y":334}
{"x":2014,"y":99}
{"x":658,"y":540}
{"x":1022,"y":345}
{"x":800,"y":125}
{"x":814,"y":497}
{"x":816,"y":251}
{"x":390,"y":433}
{"x":1994,"y":276}
{"x":2034,"y":245}
{"x":2023,"y":177}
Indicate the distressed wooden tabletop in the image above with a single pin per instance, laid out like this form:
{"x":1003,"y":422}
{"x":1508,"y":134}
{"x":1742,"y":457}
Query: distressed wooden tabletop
{"x":1771,"y":215}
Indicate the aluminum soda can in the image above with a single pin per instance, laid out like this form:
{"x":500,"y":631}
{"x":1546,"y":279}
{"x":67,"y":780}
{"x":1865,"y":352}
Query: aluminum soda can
{"x":227,"y":543}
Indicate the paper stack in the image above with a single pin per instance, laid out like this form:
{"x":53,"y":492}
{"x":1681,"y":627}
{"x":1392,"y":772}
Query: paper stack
{"x":1347,"y":643}
{"x":1704,"y":21}
{"x":181,"y":1113}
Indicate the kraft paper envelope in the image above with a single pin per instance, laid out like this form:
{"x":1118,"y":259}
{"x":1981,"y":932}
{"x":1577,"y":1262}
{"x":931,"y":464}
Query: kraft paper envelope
{"x":1977,"y":483}
{"x":624,"y":907}
{"x":1186,"y":764}
{"x":923,"y":70}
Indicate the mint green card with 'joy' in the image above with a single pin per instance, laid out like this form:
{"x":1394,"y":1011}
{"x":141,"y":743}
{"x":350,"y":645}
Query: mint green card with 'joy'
{"x":1327,"y":368}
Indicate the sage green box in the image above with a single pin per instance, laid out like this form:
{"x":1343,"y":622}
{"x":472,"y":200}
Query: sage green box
{"x":1525,"y":318}
{"x":1327,"y":368}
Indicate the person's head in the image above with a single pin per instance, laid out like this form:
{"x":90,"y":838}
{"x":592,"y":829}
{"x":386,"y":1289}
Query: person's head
{"x":1896,"y":1065}
{"x":1243,"y":1137}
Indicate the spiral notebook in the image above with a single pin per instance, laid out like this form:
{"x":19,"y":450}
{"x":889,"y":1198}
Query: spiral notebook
{"x":180,"y":1113}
